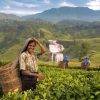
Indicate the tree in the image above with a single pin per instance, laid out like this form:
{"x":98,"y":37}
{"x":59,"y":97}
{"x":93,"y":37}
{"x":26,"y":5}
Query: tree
{"x":84,"y":49}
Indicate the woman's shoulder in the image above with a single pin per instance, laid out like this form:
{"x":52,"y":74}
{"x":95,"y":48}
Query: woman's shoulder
{"x":23,"y":54}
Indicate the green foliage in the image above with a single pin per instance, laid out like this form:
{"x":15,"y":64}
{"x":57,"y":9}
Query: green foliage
{"x":2,"y":63}
{"x":14,"y":32}
{"x":77,"y":48}
{"x":62,"y":85}
{"x":84,"y":49}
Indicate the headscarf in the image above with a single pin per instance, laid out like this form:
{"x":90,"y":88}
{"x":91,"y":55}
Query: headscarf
{"x":26,"y":43}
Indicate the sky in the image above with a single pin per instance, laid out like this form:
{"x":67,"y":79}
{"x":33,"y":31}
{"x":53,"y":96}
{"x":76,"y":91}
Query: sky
{"x":29,"y":7}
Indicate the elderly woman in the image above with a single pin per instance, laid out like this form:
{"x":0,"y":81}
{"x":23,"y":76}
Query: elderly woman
{"x":28,"y":64}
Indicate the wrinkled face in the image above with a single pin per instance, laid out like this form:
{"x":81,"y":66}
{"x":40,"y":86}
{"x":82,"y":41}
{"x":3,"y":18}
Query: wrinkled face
{"x":31,"y":47}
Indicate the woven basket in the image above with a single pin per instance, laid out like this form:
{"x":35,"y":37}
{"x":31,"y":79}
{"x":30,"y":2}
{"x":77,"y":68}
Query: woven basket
{"x":61,"y":64}
{"x":9,"y":79}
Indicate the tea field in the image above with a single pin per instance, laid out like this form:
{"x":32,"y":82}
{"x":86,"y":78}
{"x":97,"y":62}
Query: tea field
{"x":62,"y":84}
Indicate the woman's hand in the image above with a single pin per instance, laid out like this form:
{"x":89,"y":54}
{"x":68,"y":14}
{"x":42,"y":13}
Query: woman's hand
{"x":36,"y":41}
{"x":41,"y":76}
{"x":43,"y":50}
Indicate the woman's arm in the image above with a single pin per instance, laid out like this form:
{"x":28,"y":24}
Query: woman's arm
{"x":43,"y":50}
{"x":26,"y":72}
{"x":40,"y":76}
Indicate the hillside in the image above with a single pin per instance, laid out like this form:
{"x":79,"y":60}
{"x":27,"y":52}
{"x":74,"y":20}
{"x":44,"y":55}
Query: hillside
{"x":63,"y":64}
{"x":13,"y":34}
{"x":8,"y":17}
{"x":67,"y":13}
{"x":79,"y":29}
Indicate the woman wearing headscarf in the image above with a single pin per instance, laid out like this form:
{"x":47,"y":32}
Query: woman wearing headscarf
{"x":28,"y":64}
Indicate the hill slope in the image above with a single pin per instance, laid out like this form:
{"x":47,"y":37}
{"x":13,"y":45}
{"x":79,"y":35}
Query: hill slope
{"x":8,"y":17}
{"x":67,"y":13}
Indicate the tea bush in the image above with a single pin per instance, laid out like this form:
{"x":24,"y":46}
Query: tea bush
{"x":60,"y":84}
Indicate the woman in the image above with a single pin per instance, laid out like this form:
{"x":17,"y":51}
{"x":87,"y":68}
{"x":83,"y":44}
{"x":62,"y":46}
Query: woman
{"x":28,"y":64}
{"x":85,"y":63}
{"x":65,"y":61}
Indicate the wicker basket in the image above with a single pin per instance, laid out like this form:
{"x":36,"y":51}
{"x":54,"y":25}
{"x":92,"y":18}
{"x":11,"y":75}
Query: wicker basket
{"x":9,"y":79}
{"x":61,"y":64}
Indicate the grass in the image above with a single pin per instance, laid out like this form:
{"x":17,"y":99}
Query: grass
{"x":96,"y":59}
{"x":10,"y":54}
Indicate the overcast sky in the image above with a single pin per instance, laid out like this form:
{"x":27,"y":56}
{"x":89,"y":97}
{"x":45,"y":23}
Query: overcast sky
{"x":27,"y":7}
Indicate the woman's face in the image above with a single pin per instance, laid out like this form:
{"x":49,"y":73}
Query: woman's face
{"x":31,"y":47}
